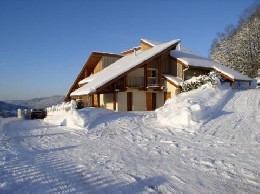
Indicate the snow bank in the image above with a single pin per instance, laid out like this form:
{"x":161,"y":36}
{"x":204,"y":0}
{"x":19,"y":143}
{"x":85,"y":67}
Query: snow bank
{"x":188,"y":111}
{"x":81,"y":118}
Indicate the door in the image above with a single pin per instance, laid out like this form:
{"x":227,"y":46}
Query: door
{"x":129,"y":101}
{"x":150,"y":101}
{"x":167,"y":95}
{"x":153,"y":101}
{"x":95,"y":100}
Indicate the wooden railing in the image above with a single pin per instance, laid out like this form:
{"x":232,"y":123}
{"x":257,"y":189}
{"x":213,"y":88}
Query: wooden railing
{"x":139,"y":81}
{"x":152,"y":81}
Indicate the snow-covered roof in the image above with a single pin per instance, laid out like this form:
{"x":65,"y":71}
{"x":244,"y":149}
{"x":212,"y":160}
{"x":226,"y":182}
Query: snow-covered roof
{"x":116,"y":69}
{"x":177,"y":81}
{"x":194,"y":60}
{"x":151,"y":42}
{"x":86,"y":80}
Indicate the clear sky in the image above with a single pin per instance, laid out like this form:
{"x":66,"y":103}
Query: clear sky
{"x":45,"y":43}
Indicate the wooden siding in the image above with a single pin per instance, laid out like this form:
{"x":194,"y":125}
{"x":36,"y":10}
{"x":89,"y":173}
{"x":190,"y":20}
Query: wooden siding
{"x":165,"y":61}
{"x":108,"y":60}
{"x":88,"y":68}
{"x":145,"y":45}
{"x":98,"y":67}
{"x":172,"y":67}
{"x":194,"y":72}
{"x":86,"y":100}
{"x":179,"y":70}
{"x":95,"y":100}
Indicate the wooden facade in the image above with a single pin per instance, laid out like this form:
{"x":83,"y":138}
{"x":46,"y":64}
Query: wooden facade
{"x":95,"y":63}
{"x":143,"y":87}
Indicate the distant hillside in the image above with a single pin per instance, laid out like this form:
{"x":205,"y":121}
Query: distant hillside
{"x":38,"y":102}
{"x":9,"y":110}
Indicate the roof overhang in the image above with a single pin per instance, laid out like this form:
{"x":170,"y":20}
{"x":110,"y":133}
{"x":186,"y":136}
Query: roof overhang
{"x":90,"y":65}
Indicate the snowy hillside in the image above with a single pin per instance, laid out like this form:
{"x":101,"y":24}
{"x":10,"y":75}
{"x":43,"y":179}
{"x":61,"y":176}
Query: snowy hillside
{"x":9,"y":110}
{"x":112,"y":152}
{"x":38,"y":102}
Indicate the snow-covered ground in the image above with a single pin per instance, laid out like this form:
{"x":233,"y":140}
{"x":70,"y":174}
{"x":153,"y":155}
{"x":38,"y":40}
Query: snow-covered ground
{"x":134,"y":153}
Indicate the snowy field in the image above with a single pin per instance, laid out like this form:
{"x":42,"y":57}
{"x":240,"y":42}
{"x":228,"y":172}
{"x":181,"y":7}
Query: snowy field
{"x":217,"y":152}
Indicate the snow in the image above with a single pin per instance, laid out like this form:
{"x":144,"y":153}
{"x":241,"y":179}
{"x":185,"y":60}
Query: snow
{"x":76,"y":119}
{"x":134,"y":153}
{"x":188,"y":111}
{"x":192,"y":59}
{"x":86,"y":80}
{"x":177,"y":81}
{"x":121,"y":66}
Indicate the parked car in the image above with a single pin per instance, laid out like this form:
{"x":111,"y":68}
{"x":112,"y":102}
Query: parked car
{"x":258,"y":84}
{"x":38,"y":114}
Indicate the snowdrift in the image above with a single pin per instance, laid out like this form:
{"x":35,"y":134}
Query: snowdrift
{"x":188,"y":111}
{"x":81,"y":118}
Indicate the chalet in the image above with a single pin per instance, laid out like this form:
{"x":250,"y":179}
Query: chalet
{"x":141,"y":78}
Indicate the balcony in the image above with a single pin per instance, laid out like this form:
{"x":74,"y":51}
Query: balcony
{"x":139,"y":82}
{"x":152,"y":81}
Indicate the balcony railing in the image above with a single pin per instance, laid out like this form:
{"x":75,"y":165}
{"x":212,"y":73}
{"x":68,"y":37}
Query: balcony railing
{"x":152,"y":81}
{"x":139,"y":81}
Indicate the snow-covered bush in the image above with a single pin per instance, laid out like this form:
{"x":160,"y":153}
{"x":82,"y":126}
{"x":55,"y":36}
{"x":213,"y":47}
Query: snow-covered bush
{"x":212,"y":78}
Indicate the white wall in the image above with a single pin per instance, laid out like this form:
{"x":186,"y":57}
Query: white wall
{"x":159,"y":99}
{"x":139,"y":100}
{"x":171,"y":88}
{"x":121,"y":104}
{"x":107,"y":101}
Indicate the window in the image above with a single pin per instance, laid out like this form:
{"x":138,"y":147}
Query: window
{"x":152,"y":75}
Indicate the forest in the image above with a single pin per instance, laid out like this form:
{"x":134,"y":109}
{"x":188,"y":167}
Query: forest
{"x":239,"y":45}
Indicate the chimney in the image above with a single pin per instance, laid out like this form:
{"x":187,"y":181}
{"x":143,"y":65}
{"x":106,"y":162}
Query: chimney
{"x":134,"y":51}
{"x":178,"y":48}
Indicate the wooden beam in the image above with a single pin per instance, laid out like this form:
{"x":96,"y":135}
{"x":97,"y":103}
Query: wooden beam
{"x":98,"y":99}
{"x":125,"y":82}
{"x":145,"y":75}
{"x":114,"y":100}
{"x":160,"y":71}
{"x":92,"y":100}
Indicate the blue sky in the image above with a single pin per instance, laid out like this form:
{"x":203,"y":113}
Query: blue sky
{"x":44,"y":44}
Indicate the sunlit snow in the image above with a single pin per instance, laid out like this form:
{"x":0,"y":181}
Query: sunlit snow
{"x":131,"y":152}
